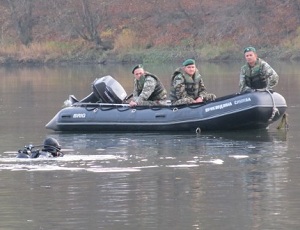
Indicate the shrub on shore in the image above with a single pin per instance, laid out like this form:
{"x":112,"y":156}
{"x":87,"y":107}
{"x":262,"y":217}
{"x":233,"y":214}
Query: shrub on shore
{"x":126,"y":51}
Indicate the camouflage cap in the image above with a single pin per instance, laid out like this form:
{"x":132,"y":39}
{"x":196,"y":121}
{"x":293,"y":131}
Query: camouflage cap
{"x":189,"y":62}
{"x":137,"y":67}
{"x":250,"y":48}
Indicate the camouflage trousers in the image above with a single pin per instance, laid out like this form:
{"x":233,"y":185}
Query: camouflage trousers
{"x":207,"y":97}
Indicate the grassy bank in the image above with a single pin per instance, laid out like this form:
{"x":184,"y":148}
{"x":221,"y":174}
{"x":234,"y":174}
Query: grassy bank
{"x":74,"y":52}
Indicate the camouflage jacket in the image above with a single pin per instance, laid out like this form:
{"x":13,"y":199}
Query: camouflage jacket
{"x":185,"y":86}
{"x":148,"y":88}
{"x":257,"y":77}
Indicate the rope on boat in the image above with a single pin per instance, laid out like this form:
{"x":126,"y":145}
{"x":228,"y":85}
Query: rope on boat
{"x":91,"y":108}
{"x":124,"y":107}
{"x":284,"y":119}
{"x":275,"y":110}
{"x":284,"y":122}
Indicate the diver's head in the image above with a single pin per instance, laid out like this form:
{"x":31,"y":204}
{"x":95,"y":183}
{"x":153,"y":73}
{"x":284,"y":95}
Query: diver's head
{"x":52,"y":146}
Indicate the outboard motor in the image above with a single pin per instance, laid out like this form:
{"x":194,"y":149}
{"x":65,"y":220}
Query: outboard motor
{"x":91,"y":98}
{"x":109,"y":90}
{"x":106,"y":90}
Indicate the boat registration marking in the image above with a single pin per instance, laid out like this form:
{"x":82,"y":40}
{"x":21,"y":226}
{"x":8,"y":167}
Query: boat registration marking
{"x":216,"y":107}
{"x":247,"y":99}
{"x":227,"y":104}
{"x":79,"y":115}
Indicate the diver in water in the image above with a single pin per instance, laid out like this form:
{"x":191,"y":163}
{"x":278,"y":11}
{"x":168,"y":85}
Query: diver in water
{"x":51,"y":148}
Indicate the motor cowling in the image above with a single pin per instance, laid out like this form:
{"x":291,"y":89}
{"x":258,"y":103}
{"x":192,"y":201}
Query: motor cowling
{"x":108,"y":90}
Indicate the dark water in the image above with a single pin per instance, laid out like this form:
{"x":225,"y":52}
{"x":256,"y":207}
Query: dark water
{"x":230,"y":180}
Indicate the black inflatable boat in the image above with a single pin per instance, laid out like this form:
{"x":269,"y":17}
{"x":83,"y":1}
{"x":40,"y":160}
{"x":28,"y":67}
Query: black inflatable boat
{"x":105,"y":110}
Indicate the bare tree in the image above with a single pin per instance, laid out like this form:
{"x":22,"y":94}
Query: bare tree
{"x":90,"y":16}
{"x":194,"y":19}
{"x":21,"y":16}
{"x":296,"y":6}
{"x":88,"y":31}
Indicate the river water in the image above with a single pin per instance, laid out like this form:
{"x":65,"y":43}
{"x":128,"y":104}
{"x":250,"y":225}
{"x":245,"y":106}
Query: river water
{"x":218,"y":180}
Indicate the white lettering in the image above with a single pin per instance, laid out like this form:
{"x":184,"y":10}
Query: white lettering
{"x":79,"y":115}
{"x":221,"y":106}
{"x":242,"y":101}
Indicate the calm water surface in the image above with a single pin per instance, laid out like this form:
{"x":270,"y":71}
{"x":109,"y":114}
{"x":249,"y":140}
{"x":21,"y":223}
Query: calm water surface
{"x":231,"y":180}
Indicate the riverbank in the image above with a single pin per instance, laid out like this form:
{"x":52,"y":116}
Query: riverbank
{"x":54,"y":53}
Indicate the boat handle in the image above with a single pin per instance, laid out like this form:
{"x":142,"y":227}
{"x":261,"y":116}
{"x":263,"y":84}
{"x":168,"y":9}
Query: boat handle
{"x":160,"y":115}
{"x":66,"y":116}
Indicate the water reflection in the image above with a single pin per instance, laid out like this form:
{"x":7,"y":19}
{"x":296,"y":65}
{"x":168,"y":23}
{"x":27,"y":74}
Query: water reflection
{"x":217,"y":180}
{"x":93,"y":152}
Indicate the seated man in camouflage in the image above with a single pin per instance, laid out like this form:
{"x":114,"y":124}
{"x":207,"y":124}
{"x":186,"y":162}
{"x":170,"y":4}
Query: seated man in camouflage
{"x":187,"y":86}
{"x":256,"y":73}
{"x":148,"y":89}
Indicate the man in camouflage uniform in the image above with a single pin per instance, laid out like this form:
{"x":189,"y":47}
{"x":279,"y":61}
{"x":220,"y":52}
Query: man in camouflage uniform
{"x":256,"y":74}
{"x":148,"y":89}
{"x":187,"y":85}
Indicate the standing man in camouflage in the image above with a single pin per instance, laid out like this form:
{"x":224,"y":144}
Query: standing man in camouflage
{"x":256,"y":74}
{"x":187,"y":86}
{"x":148,"y":89}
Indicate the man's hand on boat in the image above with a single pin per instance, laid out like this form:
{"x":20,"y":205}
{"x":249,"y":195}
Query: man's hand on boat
{"x":198,"y":100}
{"x":132,"y":104}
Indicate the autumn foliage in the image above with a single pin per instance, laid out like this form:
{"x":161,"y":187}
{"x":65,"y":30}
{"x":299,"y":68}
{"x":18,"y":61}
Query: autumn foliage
{"x":124,"y":25}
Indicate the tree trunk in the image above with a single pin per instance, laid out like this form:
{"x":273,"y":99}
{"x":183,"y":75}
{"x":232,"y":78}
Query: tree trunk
{"x":21,"y":14}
